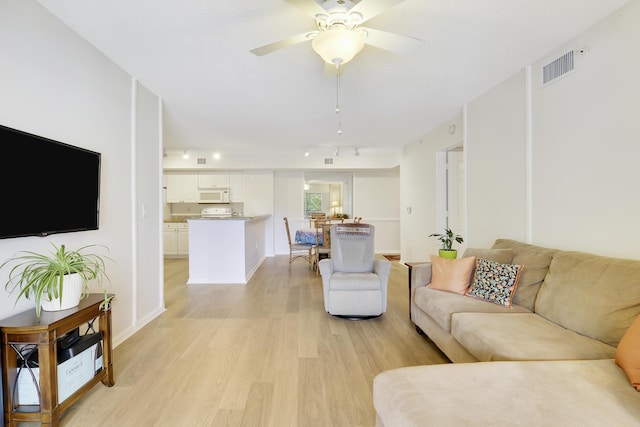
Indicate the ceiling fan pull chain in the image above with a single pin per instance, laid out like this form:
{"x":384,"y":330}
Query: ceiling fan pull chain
{"x":338,"y":98}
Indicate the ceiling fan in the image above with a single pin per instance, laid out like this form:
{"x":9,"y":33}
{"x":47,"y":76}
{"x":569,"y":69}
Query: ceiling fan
{"x":338,"y":36}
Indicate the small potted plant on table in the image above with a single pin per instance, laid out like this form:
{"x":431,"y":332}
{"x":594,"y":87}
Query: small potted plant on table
{"x":446,"y":240}
{"x":56,"y":281}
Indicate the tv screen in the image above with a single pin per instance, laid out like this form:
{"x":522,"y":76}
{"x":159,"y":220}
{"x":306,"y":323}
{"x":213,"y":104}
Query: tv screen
{"x":46,"y":186}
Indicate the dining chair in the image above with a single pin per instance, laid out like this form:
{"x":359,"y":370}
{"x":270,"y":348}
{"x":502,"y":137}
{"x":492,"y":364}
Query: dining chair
{"x":316,"y":217}
{"x":323,"y":242}
{"x":299,"y":250}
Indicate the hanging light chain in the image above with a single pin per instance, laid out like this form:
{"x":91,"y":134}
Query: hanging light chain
{"x":338,"y":99}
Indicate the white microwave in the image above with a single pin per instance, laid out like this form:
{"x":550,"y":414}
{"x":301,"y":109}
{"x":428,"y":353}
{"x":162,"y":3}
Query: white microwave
{"x":218,"y":195}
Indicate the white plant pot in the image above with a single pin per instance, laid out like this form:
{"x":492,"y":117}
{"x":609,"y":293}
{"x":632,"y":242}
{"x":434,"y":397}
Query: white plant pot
{"x":71,"y":293}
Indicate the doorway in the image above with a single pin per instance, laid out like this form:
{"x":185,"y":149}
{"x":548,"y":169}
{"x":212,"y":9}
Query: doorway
{"x":451,"y":190}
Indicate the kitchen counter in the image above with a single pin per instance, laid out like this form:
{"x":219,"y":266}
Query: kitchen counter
{"x":175,"y":221}
{"x":230,"y":218}
{"x":225,"y":250}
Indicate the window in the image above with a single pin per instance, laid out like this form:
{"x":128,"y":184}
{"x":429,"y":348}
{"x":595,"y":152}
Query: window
{"x":312,"y":203}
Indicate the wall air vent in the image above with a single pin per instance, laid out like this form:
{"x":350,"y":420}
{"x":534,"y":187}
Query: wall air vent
{"x":328,"y":161}
{"x":557,"y":68}
{"x":202,"y":160}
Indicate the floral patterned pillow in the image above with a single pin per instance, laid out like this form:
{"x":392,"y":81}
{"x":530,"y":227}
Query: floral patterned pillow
{"x":494,"y":282}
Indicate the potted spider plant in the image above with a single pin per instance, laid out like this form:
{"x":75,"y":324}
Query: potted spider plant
{"x":57,"y":280}
{"x":446,"y":240}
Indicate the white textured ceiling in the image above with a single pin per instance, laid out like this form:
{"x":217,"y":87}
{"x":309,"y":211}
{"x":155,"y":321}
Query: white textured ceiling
{"x":217,"y":95}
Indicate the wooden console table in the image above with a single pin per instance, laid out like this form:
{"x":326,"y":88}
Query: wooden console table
{"x":25,"y":328}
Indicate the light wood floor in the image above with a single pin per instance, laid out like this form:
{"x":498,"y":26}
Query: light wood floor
{"x":261,"y":354}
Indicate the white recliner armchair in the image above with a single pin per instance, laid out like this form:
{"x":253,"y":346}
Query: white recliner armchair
{"x":354,"y":282}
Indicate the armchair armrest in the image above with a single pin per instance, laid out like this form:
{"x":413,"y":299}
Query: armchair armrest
{"x":382,"y":267}
{"x":326,"y":267}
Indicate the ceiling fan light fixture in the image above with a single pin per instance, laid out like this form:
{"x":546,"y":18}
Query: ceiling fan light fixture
{"x":337,"y":45}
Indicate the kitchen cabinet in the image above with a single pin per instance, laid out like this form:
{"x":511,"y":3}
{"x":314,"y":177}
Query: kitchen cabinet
{"x":208,"y":180}
{"x":182,"y":188}
{"x":235,"y":187}
{"x":175,"y":236}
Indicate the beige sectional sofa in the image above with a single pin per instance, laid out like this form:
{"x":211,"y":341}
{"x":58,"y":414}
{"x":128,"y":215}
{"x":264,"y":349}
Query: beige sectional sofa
{"x":548,"y":360}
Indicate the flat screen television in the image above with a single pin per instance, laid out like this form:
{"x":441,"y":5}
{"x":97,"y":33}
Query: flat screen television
{"x":46,"y":186}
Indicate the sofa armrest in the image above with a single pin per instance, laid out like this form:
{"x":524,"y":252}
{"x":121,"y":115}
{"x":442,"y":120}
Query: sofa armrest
{"x":420,"y":276}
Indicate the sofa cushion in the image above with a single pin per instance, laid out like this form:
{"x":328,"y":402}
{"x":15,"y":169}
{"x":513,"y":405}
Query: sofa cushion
{"x":628,"y":353}
{"x":593,"y":295}
{"x":522,"y":336}
{"x":440,"y":306}
{"x":536,"y":260}
{"x":498,"y":255}
{"x":494,"y":282}
{"x":590,"y":393}
{"x":451,"y":275}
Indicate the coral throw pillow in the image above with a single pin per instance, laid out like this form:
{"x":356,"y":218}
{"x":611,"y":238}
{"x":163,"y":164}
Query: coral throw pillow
{"x":451,"y":275}
{"x":628,"y":353}
{"x":495,"y":282}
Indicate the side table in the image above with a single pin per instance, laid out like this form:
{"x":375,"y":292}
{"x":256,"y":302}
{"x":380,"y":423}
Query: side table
{"x":26,"y":329}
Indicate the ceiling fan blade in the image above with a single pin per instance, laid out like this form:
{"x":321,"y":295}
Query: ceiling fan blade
{"x":289,"y":41}
{"x":370,"y":8}
{"x":396,"y":43}
{"x":309,"y":7}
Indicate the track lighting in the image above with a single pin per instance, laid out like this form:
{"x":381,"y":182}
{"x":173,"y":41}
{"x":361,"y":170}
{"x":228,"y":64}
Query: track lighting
{"x":185,"y":155}
{"x":336,"y":152}
{"x":356,"y":151}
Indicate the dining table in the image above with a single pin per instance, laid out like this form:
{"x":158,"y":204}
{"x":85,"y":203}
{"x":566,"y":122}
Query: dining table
{"x":308,"y":236}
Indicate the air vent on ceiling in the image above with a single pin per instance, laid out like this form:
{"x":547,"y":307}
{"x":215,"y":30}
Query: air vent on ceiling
{"x":557,"y":68}
{"x":328,"y":161}
{"x":202,"y":160}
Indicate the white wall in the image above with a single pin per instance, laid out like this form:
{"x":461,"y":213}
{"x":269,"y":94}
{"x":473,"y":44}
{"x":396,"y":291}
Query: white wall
{"x":55,"y":84}
{"x":586,"y":143}
{"x":258,"y":189}
{"x":419,"y":191}
{"x":377,"y":201}
{"x":556,"y":166}
{"x":496,"y":167}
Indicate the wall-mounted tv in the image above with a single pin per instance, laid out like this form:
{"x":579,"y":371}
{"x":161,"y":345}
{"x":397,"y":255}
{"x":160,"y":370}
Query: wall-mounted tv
{"x":46,"y":186}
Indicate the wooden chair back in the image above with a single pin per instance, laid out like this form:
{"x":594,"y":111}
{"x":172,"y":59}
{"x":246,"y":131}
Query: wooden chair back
{"x":315,"y":218}
{"x":286,"y":225}
{"x":326,"y":236}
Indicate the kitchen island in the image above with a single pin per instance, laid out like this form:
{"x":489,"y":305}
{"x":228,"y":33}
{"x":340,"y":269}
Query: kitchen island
{"x":225,"y":250}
